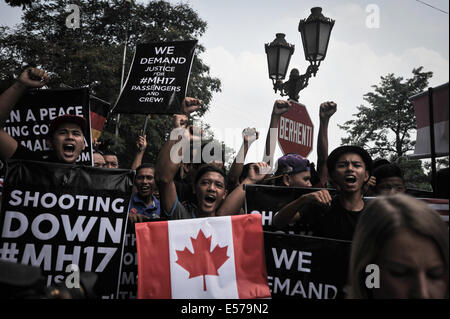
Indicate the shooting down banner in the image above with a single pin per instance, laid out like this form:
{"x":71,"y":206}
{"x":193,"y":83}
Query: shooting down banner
{"x":57,"y":215}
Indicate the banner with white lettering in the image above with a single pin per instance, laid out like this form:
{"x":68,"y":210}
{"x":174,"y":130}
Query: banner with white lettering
{"x":267,"y":200}
{"x":66,"y":219}
{"x":29,"y":121}
{"x":303,"y":267}
{"x":128,"y":279}
{"x":158,"y":78}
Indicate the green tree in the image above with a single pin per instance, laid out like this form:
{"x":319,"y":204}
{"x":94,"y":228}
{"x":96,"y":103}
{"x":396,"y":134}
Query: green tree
{"x":91,"y":56}
{"x":384,"y":128}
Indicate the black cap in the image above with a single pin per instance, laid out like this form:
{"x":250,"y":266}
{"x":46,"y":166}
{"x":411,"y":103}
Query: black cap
{"x":336,"y":153}
{"x":68,"y":118}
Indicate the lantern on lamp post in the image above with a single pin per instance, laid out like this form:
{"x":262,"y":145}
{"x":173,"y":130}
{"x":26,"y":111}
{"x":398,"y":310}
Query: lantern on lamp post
{"x":315,"y":32}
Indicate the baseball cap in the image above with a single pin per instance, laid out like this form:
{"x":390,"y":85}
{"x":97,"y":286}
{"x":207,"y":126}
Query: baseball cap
{"x":68,"y":118}
{"x":292,"y":164}
{"x":336,"y":153}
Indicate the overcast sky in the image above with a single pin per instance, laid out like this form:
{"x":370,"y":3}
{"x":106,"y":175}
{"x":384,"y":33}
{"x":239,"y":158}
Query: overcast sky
{"x":409,"y":34}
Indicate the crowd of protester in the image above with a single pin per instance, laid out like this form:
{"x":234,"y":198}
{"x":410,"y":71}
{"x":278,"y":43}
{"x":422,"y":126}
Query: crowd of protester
{"x":394,"y":230}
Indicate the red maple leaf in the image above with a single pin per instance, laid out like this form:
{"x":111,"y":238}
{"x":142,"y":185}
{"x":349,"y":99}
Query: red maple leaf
{"x":202,"y":262}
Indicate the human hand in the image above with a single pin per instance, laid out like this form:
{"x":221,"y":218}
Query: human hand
{"x":141,"y":143}
{"x":327,"y":109}
{"x":180,"y":120}
{"x":250,"y":135}
{"x":280,"y":107}
{"x":134,"y":217}
{"x":321,"y":197}
{"x":190,"y":105}
{"x":95,"y":143}
{"x":257,"y":172}
{"x":371,"y":183}
{"x":33,"y":78}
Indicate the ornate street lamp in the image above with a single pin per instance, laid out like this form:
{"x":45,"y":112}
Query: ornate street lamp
{"x":315,"y":32}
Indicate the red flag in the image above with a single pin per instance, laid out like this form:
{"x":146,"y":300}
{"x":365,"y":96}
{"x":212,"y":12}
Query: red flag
{"x":422,"y":113}
{"x":216,"y":257}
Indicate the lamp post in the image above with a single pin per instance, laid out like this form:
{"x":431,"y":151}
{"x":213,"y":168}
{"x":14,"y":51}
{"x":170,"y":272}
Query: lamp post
{"x":315,"y":32}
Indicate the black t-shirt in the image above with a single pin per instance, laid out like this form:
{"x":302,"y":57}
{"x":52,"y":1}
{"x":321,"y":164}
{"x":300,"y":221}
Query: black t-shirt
{"x":26,"y":154}
{"x":330,"y":222}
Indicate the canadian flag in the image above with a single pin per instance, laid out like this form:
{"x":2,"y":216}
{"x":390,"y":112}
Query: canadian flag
{"x":205,"y":258}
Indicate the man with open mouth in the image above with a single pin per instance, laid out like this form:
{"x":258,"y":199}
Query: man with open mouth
{"x":209,"y":185}
{"x":66,"y":132}
{"x":349,"y":169}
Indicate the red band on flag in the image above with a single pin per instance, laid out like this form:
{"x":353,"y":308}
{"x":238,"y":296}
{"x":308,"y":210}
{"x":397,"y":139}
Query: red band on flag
{"x":154,"y":261}
{"x":247,"y":229}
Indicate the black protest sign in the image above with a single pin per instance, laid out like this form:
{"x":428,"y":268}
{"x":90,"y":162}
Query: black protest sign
{"x":268,"y":200}
{"x":128,"y":278}
{"x":66,"y":219}
{"x":303,"y":267}
{"x":29,"y":122}
{"x":158,"y":78}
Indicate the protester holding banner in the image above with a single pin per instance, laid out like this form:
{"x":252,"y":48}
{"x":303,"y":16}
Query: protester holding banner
{"x":65,"y":134}
{"x":349,"y":168}
{"x":404,"y":244}
{"x":144,"y":206}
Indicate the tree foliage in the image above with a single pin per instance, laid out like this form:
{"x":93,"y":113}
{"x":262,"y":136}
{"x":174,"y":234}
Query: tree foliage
{"x":91,"y":56}
{"x":384,"y":128}
{"x":17,"y":3}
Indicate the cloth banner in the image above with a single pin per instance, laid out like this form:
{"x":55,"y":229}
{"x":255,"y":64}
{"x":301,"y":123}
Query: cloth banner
{"x":422,"y":113}
{"x":29,"y":121}
{"x":158,"y":78}
{"x":268,"y":200}
{"x":303,"y":267}
{"x":56,"y":215}
{"x":205,"y":258}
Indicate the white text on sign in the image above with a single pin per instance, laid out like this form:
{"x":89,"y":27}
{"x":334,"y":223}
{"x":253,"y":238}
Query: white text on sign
{"x":296,"y":132}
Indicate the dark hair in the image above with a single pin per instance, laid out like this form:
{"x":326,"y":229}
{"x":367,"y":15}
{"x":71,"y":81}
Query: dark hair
{"x":346,"y":149}
{"x":145,"y":165}
{"x":379,"y":162}
{"x":109,"y":152}
{"x":209,"y":168}
{"x":386,"y":171}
